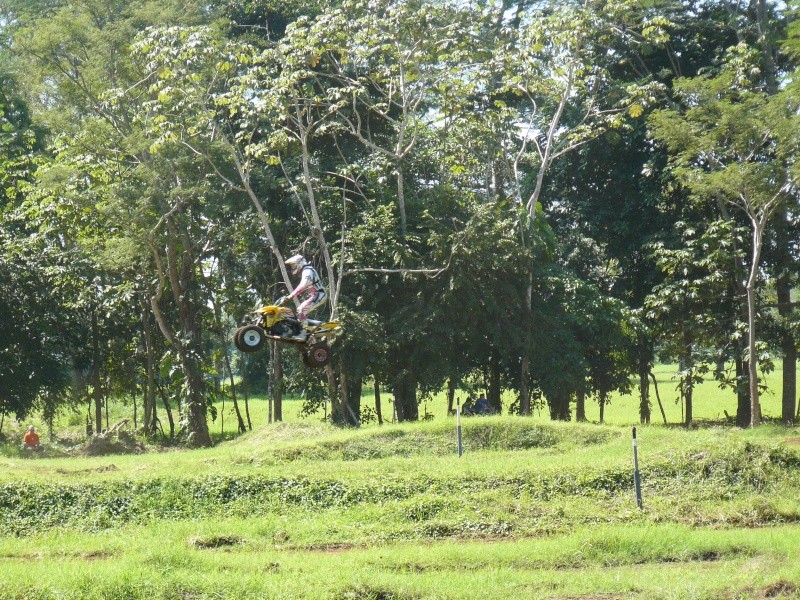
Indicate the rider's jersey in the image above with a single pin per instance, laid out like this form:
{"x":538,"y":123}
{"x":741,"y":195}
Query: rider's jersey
{"x":310,"y":283}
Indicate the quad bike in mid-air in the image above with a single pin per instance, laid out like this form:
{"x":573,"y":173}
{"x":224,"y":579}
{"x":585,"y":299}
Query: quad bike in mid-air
{"x":276,"y":322}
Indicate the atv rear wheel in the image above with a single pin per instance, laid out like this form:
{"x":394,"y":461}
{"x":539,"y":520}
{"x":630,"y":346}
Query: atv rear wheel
{"x":250,"y":338}
{"x":317,"y":355}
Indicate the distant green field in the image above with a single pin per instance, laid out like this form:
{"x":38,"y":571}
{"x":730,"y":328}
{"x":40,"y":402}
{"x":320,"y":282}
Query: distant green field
{"x":710,"y":404}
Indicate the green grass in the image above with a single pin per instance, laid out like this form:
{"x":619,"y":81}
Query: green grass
{"x":181,"y":560}
{"x":301,"y":509}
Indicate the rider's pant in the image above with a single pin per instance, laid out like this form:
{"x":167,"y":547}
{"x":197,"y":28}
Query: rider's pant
{"x":310,"y":304}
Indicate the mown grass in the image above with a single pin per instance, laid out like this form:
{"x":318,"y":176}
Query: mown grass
{"x":182,"y":560}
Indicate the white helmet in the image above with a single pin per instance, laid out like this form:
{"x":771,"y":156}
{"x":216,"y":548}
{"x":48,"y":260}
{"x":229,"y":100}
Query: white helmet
{"x":296,"y":262}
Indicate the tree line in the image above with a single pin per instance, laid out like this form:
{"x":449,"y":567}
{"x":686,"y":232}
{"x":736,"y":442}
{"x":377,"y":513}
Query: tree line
{"x":536,"y":196}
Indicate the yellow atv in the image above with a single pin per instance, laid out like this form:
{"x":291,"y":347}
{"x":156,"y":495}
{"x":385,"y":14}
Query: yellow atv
{"x":276,"y":322}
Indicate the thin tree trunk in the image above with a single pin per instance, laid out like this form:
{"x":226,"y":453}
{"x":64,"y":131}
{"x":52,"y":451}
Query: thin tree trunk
{"x":106,"y":406}
{"x":689,"y":398}
{"x":169,"y":414}
{"x":602,"y":407}
{"x":246,"y":393}
{"x":401,"y":201}
{"x":150,"y":367}
{"x":687,"y":384}
{"x":97,"y":391}
{"x":271,"y":379}
{"x":451,"y":394}
{"x":658,"y":397}
{"x":336,"y":408}
{"x":525,"y":365}
{"x":378,"y":402}
{"x":644,"y":383}
{"x":494,"y":391}
{"x":135,"y":415}
{"x":227,"y":365}
{"x":755,"y":405}
{"x":277,"y":390}
{"x":783,"y":288}
{"x":742,"y":387}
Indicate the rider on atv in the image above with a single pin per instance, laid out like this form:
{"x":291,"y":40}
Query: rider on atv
{"x":310,"y":286}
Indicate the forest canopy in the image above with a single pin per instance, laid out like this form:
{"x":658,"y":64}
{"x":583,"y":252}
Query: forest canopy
{"x":546,"y":197}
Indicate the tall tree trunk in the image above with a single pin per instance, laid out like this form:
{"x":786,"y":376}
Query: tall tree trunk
{"x":277,"y":385}
{"x":742,"y":387}
{"x":246,"y":393}
{"x":495,"y":391}
{"x":559,"y":407}
{"x":783,"y":288}
{"x":658,"y":397}
{"x":150,"y":377}
{"x":645,"y":361}
{"x":755,"y":404}
{"x":451,"y":394}
{"x":333,"y":392}
{"x":226,"y":365}
{"x":405,"y":394}
{"x":180,"y":271}
{"x":378,"y":402}
{"x":350,"y":397}
{"x":689,"y":398}
{"x":168,"y":409}
{"x":580,"y":404}
{"x":739,"y":291}
{"x":97,"y":388}
{"x":401,"y":200}
{"x":602,"y":400}
{"x":353,"y":387}
{"x":687,"y":382}
{"x":525,"y":364}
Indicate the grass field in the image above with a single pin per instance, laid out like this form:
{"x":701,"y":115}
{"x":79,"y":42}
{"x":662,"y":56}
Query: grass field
{"x":300,"y":509}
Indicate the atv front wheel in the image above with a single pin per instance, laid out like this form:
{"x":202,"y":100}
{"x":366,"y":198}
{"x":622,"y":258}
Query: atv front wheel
{"x":317,"y":355}
{"x":250,"y":338}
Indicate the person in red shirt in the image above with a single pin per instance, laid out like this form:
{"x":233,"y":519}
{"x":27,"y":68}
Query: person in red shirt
{"x":30,"y":440}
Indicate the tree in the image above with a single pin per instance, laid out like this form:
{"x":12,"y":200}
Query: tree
{"x":553,"y":64}
{"x":76,"y":53}
{"x":725,"y":143}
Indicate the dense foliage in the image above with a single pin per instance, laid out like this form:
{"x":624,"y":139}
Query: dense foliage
{"x":543,"y":197}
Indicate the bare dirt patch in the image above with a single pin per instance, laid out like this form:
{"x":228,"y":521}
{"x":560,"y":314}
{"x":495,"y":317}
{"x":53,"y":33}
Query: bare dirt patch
{"x":215,"y":541}
{"x":779,"y":589}
{"x":110,"y":468}
{"x":331,"y":548}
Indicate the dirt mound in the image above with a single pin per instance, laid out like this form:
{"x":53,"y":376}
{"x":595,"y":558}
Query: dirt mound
{"x":114,"y":441}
